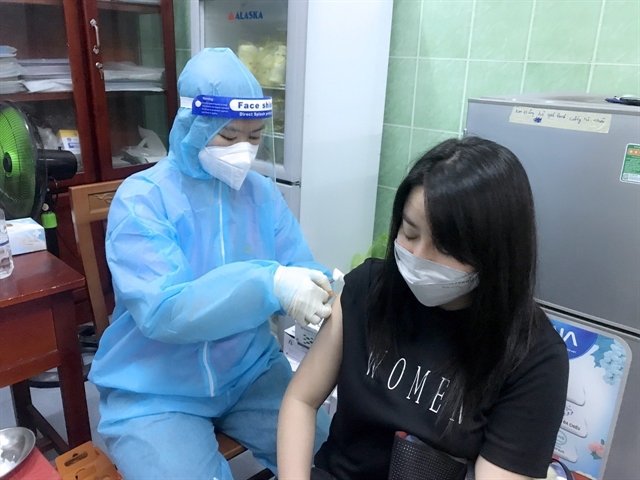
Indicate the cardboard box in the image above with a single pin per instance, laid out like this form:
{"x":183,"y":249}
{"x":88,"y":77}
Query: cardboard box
{"x":306,"y":335}
{"x":293,"y":363}
{"x":333,"y":402}
{"x":291,"y":348}
{"x":69,"y":140}
{"x":25,"y":236}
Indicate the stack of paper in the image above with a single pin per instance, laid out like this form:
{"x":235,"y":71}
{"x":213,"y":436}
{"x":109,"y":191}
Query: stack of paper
{"x":54,"y":75}
{"x":46,"y":74}
{"x":39,"y":68}
{"x":127,"y":76}
{"x":10,"y":71}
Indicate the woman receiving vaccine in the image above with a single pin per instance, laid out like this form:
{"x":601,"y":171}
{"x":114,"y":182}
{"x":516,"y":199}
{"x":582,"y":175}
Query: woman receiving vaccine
{"x":442,"y":339}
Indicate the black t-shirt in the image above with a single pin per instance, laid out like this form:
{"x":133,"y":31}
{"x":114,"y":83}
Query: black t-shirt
{"x":515,"y":428}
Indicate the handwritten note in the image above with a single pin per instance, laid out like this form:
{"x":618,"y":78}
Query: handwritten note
{"x":564,"y":119}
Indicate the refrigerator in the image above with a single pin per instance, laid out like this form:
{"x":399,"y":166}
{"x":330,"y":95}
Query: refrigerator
{"x":325,"y":66}
{"x":582,"y":157}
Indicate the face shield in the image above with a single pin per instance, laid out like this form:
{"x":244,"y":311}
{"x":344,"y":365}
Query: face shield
{"x":244,"y":141}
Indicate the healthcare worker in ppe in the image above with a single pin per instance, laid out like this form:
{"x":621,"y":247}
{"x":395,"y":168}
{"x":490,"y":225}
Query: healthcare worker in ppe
{"x":202,"y":251}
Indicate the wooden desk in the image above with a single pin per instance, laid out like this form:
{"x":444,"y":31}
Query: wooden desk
{"x":37,"y":333}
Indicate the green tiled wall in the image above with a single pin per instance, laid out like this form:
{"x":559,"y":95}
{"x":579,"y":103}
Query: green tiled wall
{"x":445,"y":51}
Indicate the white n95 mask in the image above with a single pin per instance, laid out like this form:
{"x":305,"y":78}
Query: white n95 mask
{"x":432,"y":283}
{"x":229,"y":164}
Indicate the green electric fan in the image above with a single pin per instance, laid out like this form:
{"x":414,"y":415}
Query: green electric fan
{"x":22,"y":183}
{"x":25,"y":169}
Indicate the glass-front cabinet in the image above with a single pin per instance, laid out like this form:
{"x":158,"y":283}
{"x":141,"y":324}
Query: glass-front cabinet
{"x":42,"y":72}
{"x":131,"y":50}
{"x":95,"y":77}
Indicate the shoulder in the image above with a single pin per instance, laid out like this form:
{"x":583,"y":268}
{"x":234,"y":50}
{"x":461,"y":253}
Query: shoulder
{"x":547,"y":339}
{"x":357,"y":287}
{"x":547,"y":358}
{"x":146,"y":194}
{"x":151,"y":181}
{"x":364,"y":275}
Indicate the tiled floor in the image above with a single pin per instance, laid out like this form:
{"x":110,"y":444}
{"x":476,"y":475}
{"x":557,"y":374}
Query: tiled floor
{"x":50,"y":405}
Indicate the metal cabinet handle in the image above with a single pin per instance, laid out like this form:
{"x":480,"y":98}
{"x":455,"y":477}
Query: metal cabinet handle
{"x":100,"y":67}
{"x":94,"y":24}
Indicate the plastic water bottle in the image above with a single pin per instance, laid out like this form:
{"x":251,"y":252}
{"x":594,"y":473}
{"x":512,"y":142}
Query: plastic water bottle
{"x":6,"y":260}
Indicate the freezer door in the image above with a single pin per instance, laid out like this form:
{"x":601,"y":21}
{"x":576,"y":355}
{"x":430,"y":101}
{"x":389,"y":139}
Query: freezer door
{"x":588,"y":219}
{"x":270,"y":38}
{"x":593,"y":376}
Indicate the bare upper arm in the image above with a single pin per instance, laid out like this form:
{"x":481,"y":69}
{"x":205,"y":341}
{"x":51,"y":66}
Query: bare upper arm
{"x":485,"y":470}
{"x":317,"y":375}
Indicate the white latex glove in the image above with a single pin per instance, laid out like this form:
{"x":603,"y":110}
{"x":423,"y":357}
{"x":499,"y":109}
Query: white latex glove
{"x":302,"y":293}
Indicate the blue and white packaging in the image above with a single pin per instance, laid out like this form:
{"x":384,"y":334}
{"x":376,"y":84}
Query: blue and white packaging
{"x":599,"y":364}
{"x":25,"y":236}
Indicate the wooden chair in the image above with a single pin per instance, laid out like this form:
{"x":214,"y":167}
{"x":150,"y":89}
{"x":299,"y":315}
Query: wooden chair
{"x":90,"y":204}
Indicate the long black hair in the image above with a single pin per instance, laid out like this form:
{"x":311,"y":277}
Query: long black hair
{"x":479,"y":207}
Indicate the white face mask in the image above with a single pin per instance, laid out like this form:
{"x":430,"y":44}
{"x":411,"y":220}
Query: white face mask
{"x":432,"y":283}
{"x":229,"y":164}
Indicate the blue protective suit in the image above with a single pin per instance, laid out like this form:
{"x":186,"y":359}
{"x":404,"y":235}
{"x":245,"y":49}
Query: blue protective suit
{"x":193,"y":262}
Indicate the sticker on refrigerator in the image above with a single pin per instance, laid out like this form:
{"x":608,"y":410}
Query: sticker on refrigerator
{"x":631,"y":165}
{"x":598,"y":368}
{"x":563,"y":119}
